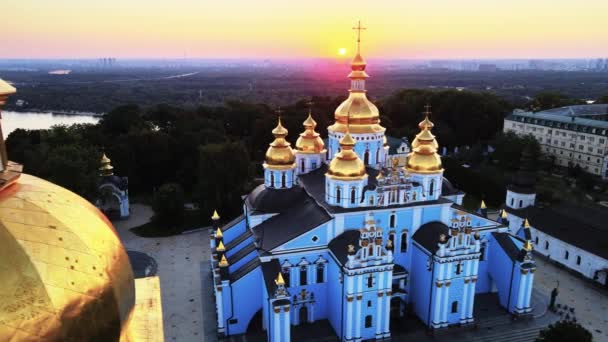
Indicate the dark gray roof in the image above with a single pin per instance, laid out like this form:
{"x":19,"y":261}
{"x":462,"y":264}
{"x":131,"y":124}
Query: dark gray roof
{"x":270,"y":271}
{"x":298,"y":219}
{"x":120,"y":182}
{"x":314,"y":183}
{"x":339,"y":245}
{"x":245,"y":269}
{"x":428,"y":235}
{"x":267,"y":200}
{"x":505,"y":240}
{"x":241,"y":253}
{"x":394,"y":143}
{"x":447,"y":188}
{"x":577,"y":118}
{"x":583,"y":227}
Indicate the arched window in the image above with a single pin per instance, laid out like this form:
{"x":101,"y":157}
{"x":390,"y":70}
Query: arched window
{"x":566,"y":255}
{"x":378,"y":156}
{"x":271,"y":179}
{"x":301,"y":165}
{"x":536,"y":240}
{"x":303,"y":275}
{"x":403,"y":242}
{"x":512,"y":201}
{"x":286,"y":275}
{"x":366,"y":157}
{"x":320,"y":273}
{"x":338,"y":195}
{"x":521,"y":203}
{"x":546,"y":244}
{"x":283,"y":179}
{"x":578,"y":260}
{"x":432,"y":188}
{"x":368,"y":321}
{"x":370,"y":281}
{"x":353,"y":193}
{"x":392,"y":219}
{"x":391,"y":237}
{"x":454,"y":307}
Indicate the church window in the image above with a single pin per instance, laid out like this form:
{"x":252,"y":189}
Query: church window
{"x":392,"y":221}
{"x":338,"y":195}
{"x":272,"y":179}
{"x":566,"y":255}
{"x":546,"y":244}
{"x":320,"y":273}
{"x":432,"y":188}
{"x":391,"y":237}
{"x":370,"y":281}
{"x":286,"y":275}
{"x":302,"y":165}
{"x":512,"y":201}
{"x":482,"y":251}
{"x":378,"y":155}
{"x":454,"y":307}
{"x":352,"y":195}
{"x":303,"y":275}
{"x":403,"y":242}
{"x":521,"y":203}
{"x":282,"y":179}
{"x":314,"y":165}
{"x":315,"y":238}
{"x":536,"y":240}
{"x":368,"y":321}
{"x":366,"y":157}
{"x":578,"y":259}
{"x":369,"y":303}
{"x":458,"y":268}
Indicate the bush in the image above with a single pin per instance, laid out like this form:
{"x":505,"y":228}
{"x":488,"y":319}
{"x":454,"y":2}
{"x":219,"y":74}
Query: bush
{"x":168,"y":205}
{"x":565,"y":331}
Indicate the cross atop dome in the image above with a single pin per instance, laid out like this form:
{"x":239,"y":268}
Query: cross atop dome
{"x":359,"y":29}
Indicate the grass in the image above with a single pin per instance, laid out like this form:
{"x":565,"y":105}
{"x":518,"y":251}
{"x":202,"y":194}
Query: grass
{"x":192,"y":220}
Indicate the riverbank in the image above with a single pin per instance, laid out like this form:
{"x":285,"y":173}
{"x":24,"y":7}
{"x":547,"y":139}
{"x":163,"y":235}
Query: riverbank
{"x":55,"y":112}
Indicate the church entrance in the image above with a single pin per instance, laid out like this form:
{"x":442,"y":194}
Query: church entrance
{"x":397,"y":319}
{"x":256,"y":325}
{"x":303,"y":316}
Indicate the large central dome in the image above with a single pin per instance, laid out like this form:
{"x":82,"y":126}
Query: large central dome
{"x":64,"y":274}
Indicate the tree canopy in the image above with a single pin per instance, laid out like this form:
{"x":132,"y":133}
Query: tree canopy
{"x":565,"y":331}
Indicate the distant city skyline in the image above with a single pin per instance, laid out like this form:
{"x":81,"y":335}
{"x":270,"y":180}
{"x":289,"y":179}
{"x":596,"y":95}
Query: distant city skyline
{"x":441,"y":29}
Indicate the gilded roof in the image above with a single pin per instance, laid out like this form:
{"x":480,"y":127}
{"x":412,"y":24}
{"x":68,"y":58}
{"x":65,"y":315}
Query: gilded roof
{"x":310,"y":141}
{"x":64,"y":274}
{"x":424,"y":157}
{"x":346,"y":165}
{"x":280,"y":154}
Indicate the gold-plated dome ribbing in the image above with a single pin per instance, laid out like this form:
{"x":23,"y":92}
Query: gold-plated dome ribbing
{"x":359,"y":113}
{"x":280,"y":155}
{"x":346,"y":165}
{"x":310,"y":141}
{"x":424,"y":157}
{"x":106,"y":168}
{"x":65,"y":275}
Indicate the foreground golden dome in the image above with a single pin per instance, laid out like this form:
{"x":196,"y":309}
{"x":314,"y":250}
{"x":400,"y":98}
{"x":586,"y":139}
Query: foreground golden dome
{"x":424,"y":157}
{"x":279,"y":154}
{"x":64,"y":274}
{"x":310,"y":141}
{"x":346,"y":165}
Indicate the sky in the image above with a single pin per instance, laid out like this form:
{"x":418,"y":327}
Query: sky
{"x":412,"y":29}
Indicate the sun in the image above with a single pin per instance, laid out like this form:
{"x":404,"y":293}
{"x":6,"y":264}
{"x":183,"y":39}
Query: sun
{"x":342,"y":51}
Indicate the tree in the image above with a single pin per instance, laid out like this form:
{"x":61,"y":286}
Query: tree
{"x":168,"y":205}
{"x":565,"y":331}
{"x":602,"y":100}
{"x":548,"y":100}
{"x":509,"y":146}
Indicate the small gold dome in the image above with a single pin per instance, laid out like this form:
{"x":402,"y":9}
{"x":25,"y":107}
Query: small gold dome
{"x":279,"y":154}
{"x":424,"y":157}
{"x":310,"y":141}
{"x":346,"y":165}
{"x":64,"y":274}
{"x":106,"y":168}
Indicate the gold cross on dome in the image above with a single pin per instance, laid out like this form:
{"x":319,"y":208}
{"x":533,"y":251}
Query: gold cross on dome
{"x":359,"y":28}
{"x":278,"y":111}
{"x":427,"y":110}
{"x":310,"y":104}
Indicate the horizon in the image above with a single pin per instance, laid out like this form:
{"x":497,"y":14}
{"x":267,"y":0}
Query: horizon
{"x":266,"y":29}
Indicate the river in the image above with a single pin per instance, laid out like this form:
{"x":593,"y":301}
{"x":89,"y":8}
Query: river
{"x":29,"y":120}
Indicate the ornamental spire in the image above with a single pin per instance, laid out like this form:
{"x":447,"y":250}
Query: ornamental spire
{"x":424,"y":157}
{"x":359,"y":29}
{"x":279,"y":154}
{"x":106,"y":168}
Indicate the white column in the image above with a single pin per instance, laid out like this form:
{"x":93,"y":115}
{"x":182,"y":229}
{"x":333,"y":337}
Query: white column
{"x":311,"y":317}
{"x":349,"y":308}
{"x":529,"y":290}
{"x":387,"y":314}
{"x":438,"y":294}
{"x":220,"y":308}
{"x":276,"y":325}
{"x":520,"y":292}
{"x":446,"y":293}
{"x":464,"y":307}
{"x":379,"y":305}
{"x":286,"y":326}
{"x":358,"y":306}
{"x":471,"y":300}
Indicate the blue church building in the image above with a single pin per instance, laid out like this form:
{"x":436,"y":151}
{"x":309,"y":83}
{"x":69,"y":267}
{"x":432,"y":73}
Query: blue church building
{"x":339,"y":233}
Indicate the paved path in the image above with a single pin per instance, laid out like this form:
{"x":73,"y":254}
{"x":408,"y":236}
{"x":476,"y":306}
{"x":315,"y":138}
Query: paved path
{"x":589,"y":301}
{"x":179,"y":261}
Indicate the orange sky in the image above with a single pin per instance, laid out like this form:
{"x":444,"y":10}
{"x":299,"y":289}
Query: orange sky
{"x":310,"y":28}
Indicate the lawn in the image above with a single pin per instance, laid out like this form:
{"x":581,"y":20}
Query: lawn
{"x":192,"y":220}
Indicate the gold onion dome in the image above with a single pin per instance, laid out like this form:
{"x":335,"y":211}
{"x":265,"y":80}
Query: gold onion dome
{"x":280,"y":154}
{"x":346,"y":165}
{"x":64,"y":274}
{"x":310,"y":141}
{"x":424,"y":157}
{"x":106,"y":168}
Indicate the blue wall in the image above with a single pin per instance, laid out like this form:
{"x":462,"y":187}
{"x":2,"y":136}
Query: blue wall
{"x":245,"y":303}
{"x":234,"y":231}
{"x":500,"y":270}
{"x":334,"y":296}
{"x":420,"y":284}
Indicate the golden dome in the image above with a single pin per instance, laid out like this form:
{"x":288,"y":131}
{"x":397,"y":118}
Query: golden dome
{"x":424,"y":157}
{"x":106,"y":169}
{"x":346,"y":165}
{"x":64,"y":274}
{"x":310,"y":141}
{"x":279,"y":154}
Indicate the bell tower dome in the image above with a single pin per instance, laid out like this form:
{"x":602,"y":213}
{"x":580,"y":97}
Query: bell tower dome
{"x":279,"y":165}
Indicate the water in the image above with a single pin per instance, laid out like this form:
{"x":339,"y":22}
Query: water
{"x":27,"y":120}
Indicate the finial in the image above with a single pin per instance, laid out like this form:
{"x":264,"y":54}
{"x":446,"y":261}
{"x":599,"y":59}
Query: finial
{"x":483,"y":205}
{"x":504,"y":214}
{"x":351,"y":249}
{"x":278,"y":111}
{"x":280,"y":281}
{"x":310,"y":104}
{"x":218,"y":233}
{"x":528,"y":246}
{"x":359,"y":29}
{"x":427,"y":110}
{"x":442,"y":238}
{"x":215,"y":216}
{"x":106,"y":166}
{"x":526,"y":224}
{"x":223,"y":261}
{"x":221,"y":247}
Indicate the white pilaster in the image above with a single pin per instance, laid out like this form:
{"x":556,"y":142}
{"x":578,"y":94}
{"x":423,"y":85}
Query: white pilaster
{"x":520,"y":292}
{"x":286,"y":326}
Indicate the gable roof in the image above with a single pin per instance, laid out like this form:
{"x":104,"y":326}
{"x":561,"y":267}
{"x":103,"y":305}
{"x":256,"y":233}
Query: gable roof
{"x":339,"y":245}
{"x":270,"y":270}
{"x":428,"y":235}
{"x":511,"y":245}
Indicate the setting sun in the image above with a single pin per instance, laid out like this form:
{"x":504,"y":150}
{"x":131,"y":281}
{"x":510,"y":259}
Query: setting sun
{"x":342,"y":51}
